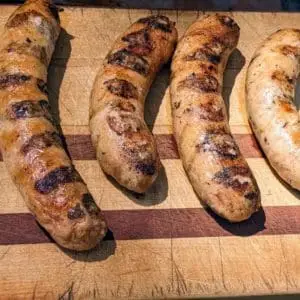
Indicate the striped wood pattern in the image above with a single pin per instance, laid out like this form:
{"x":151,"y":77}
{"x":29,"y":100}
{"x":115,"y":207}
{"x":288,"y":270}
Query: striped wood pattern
{"x":163,"y":243}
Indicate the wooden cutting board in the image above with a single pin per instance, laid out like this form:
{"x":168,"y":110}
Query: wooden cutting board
{"x":162,"y":244}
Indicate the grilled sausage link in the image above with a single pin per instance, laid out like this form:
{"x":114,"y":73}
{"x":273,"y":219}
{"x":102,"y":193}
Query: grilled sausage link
{"x":29,"y":140}
{"x":217,"y":171}
{"x":270,"y":87}
{"x":125,"y":147}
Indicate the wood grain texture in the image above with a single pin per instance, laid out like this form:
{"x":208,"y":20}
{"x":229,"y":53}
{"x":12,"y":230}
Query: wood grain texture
{"x":162,"y":224}
{"x":80,"y":147}
{"x":152,"y":255}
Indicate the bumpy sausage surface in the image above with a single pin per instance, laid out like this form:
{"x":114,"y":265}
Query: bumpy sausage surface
{"x":125,"y":147}
{"x":217,"y":171}
{"x":270,"y":88}
{"x":29,"y":140}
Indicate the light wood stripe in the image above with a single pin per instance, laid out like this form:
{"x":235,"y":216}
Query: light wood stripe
{"x":156,"y":268}
{"x":171,"y":190}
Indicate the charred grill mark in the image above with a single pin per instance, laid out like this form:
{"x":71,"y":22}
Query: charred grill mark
{"x":126,"y":106}
{"x":42,"y":141}
{"x":75,"y":212}
{"x":205,"y":53}
{"x":177,"y":104}
{"x":122,"y":88}
{"x":217,"y":130}
{"x":20,"y":19}
{"x":210,"y":112}
{"x":290,"y":50}
{"x":138,"y":146}
{"x":253,"y":196}
{"x":55,"y":178}
{"x":286,"y":81}
{"x":201,"y":82}
{"x":157,"y":22}
{"x":11,"y":80}
{"x":236,"y":177}
{"x":30,"y":109}
{"x":146,"y":168}
{"x":27,"y":48}
{"x":221,"y":144}
{"x":42,"y":86}
{"x":129,"y":60}
{"x":139,"y":42}
{"x":34,"y":17}
{"x":89,"y":204}
{"x":122,"y":123}
{"x":227,"y":21}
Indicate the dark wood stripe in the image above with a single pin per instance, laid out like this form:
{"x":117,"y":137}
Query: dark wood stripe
{"x":162,"y":223}
{"x":81,"y":148}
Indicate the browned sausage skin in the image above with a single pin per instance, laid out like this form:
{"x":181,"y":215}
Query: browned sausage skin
{"x":270,"y":88}
{"x":125,"y":147}
{"x":29,"y":140}
{"x":217,"y":170}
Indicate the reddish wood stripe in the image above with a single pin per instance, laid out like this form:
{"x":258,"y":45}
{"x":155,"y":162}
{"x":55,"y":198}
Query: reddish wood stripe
{"x":80,"y":146}
{"x":162,"y":223}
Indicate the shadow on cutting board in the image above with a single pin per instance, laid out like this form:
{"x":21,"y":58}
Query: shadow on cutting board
{"x":253,"y":225}
{"x":156,"y":194}
{"x":156,"y":94}
{"x":235,"y":64}
{"x":56,"y":74}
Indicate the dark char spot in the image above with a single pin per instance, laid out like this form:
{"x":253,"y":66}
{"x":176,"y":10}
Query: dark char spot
{"x":24,"y":18}
{"x":20,"y":19}
{"x":42,"y":141}
{"x":30,"y":109}
{"x":177,"y":104}
{"x":290,"y":50}
{"x":53,"y":179}
{"x":139,"y":42}
{"x":89,"y":204}
{"x":129,"y":60}
{"x":75,"y":212}
{"x":122,"y":88}
{"x":146,"y":168}
{"x":283,"y":79}
{"x":227,"y":21}
{"x":210,"y":112}
{"x":26,"y":48}
{"x":10,"y":80}
{"x":205,"y":53}
{"x":221,"y":144}
{"x":201,"y":82}
{"x":227,"y":178}
{"x":252,"y":196}
{"x":42,"y":85}
{"x":157,"y":22}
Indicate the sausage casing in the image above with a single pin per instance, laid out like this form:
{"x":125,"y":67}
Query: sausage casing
{"x":217,"y":171}
{"x":29,"y":140}
{"x":125,"y":147}
{"x":270,"y":88}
